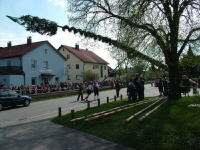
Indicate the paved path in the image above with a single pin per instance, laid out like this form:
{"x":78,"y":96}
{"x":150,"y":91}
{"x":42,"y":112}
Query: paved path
{"x":38,"y":133}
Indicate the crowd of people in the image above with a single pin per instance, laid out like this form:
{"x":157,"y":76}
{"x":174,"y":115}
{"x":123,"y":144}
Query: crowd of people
{"x":135,"y":87}
{"x":46,"y":87}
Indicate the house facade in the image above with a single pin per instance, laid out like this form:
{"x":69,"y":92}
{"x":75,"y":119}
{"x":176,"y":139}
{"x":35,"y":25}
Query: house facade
{"x":31,"y":64}
{"x":81,"y":60}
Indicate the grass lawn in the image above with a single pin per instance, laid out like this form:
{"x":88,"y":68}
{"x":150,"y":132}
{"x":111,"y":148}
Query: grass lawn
{"x":173,"y":126}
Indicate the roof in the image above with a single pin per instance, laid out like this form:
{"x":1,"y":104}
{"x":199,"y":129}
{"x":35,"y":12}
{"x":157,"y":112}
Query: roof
{"x":110,"y":70}
{"x":20,"y":50}
{"x":85,"y":55}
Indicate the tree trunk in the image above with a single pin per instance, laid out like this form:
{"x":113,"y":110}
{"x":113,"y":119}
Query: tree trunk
{"x":175,"y":79}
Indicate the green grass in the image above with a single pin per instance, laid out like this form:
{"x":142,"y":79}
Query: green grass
{"x":173,"y":126}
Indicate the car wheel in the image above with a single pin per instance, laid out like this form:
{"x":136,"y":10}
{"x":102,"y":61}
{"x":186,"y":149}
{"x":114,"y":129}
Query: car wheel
{"x":26,"y":103}
{"x":1,"y":107}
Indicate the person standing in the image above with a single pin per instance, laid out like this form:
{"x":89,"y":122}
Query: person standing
{"x":186,"y":81}
{"x":117,"y":87}
{"x":160,"y":87}
{"x":131,"y":92}
{"x":80,"y":91}
{"x":142,"y":87}
{"x":89,"y":91}
{"x":96,"y":90}
{"x":165,"y":86}
{"x":138,"y":88}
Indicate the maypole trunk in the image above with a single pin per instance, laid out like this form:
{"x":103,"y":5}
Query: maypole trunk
{"x":175,"y":79}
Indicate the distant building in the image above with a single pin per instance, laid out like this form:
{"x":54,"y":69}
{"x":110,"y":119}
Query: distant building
{"x":111,"y":73}
{"x":81,"y":60}
{"x":31,"y":64}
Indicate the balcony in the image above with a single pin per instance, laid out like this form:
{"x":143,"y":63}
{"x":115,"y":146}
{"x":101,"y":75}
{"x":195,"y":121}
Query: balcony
{"x":11,"y":70}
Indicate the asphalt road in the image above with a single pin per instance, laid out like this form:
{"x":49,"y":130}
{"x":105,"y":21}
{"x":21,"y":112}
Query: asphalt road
{"x":37,"y":109}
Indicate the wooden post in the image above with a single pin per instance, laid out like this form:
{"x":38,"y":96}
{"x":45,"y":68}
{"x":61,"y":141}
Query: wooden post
{"x":115,"y":98}
{"x":107,"y":99}
{"x":59,"y":111}
{"x":72,"y":114}
{"x":121,"y":96}
{"x":98,"y":101}
{"x":88,"y":104}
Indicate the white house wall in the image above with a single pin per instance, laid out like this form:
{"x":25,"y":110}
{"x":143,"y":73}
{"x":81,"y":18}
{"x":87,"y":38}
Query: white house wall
{"x":11,"y":80}
{"x":55,"y":64}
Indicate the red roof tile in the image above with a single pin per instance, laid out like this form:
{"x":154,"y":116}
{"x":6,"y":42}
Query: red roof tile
{"x":85,"y":55}
{"x":20,"y":50}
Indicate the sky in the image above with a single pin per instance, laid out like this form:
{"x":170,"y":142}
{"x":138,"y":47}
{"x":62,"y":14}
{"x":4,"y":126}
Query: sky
{"x":54,"y":10}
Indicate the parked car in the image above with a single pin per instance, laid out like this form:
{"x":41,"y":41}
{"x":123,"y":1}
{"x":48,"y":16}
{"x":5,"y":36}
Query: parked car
{"x":11,"y":98}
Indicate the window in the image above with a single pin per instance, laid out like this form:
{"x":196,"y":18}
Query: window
{"x":69,"y":77}
{"x":78,"y":77}
{"x":10,"y":63}
{"x":57,"y":79}
{"x":68,"y":56}
{"x":45,"y":64}
{"x":69,"y":66}
{"x":33,"y":64}
{"x":4,"y":94}
{"x":97,"y":76}
{"x":77,"y":66}
{"x":33,"y":81}
{"x":45,"y":51}
{"x":12,"y":94}
{"x":104,"y":67}
{"x":95,"y":66}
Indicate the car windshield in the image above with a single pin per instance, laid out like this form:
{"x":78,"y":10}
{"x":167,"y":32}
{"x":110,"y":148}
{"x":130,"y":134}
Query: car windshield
{"x":8,"y":94}
{"x":4,"y":94}
{"x":13,"y":94}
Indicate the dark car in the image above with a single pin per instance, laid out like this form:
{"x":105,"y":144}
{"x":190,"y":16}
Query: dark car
{"x":11,"y":98}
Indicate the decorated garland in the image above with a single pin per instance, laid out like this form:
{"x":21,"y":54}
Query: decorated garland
{"x":47,"y":27}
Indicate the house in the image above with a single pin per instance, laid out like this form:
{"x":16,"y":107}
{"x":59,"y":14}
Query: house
{"x":31,"y":64}
{"x":81,"y":60}
{"x":111,"y":73}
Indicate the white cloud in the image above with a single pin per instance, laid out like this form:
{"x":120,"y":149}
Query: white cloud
{"x":60,"y":3}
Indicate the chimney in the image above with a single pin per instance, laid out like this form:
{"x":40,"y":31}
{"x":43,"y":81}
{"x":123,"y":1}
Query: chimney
{"x":1,"y":49}
{"x":77,"y":46}
{"x":9,"y":44}
{"x":29,"y":40}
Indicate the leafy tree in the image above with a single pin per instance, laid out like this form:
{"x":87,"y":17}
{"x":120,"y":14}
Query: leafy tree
{"x":89,"y":76}
{"x":164,"y":26}
{"x":189,"y":63}
{"x":121,"y":71}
